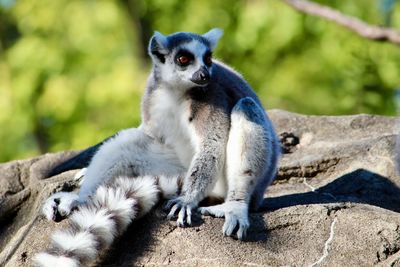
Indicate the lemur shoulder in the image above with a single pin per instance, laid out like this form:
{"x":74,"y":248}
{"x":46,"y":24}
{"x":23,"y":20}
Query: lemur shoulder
{"x":204,"y":133}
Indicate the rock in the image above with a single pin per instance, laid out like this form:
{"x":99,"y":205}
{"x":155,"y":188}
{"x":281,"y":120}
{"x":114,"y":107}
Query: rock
{"x":336,"y":202}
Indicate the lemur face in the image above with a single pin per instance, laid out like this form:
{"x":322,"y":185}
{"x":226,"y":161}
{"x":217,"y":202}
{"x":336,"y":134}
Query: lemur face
{"x":184,"y":60}
{"x":192,"y":62}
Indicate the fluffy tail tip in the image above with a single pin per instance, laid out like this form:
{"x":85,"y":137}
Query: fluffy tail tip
{"x":48,"y":260}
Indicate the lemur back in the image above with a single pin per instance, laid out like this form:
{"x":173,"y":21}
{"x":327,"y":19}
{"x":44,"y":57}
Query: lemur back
{"x":204,"y":133}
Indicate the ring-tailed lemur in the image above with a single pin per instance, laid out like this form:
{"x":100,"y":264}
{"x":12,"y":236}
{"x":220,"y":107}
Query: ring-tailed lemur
{"x":203,"y":133}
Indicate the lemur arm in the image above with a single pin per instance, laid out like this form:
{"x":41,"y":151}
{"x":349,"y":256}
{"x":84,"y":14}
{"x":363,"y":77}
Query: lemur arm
{"x":211,"y":134}
{"x":205,"y":165}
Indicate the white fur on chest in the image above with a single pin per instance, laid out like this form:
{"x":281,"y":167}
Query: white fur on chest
{"x":169,"y":121}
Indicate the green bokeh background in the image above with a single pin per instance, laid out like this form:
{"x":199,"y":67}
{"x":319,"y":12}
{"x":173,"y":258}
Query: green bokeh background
{"x":72,"y":72}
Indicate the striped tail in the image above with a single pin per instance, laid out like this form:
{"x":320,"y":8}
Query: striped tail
{"x":96,"y":224}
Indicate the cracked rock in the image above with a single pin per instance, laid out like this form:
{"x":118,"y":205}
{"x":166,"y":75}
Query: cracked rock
{"x":336,"y":169}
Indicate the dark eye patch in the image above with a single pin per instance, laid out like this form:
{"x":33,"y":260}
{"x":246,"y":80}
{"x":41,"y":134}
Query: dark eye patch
{"x":160,"y":56}
{"x":184,"y":58}
{"x":207,"y":58}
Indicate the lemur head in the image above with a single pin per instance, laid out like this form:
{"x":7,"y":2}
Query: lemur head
{"x":184,"y":60}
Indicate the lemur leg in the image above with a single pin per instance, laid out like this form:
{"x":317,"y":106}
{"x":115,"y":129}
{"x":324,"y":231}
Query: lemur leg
{"x":271,"y":167}
{"x":248,"y":159}
{"x":130,"y":153}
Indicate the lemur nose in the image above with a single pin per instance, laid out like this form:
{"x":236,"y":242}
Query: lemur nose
{"x":201,"y":77}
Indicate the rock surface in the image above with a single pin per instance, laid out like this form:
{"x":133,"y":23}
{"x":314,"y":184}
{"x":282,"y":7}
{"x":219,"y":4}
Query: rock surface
{"x":336,"y":202}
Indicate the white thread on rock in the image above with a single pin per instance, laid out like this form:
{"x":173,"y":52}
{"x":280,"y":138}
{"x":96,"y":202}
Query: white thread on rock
{"x":327,"y":244}
{"x":308,"y":185}
{"x":315,"y":190}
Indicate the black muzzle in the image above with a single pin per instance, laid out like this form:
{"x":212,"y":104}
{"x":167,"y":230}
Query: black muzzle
{"x":201,"y":77}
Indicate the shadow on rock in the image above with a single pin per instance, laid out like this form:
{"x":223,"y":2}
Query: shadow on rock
{"x":258,"y":230}
{"x":135,"y":242}
{"x":359,"y":186}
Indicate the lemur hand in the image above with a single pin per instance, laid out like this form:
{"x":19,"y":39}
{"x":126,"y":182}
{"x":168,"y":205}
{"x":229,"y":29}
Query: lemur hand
{"x":183,"y":207}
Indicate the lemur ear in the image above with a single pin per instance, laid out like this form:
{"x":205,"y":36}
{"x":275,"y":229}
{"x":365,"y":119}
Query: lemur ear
{"x":213,"y":36}
{"x":158,"y":47}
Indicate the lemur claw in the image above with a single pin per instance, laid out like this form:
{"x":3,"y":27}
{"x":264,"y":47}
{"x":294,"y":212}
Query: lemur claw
{"x":184,"y":210}
{"x":236,"y":215}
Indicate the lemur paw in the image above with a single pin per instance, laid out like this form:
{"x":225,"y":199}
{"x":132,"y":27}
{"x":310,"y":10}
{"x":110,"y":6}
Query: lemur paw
{"x":184,"y":210}
{"x":236,"y":215}
{"x":59,"y":205}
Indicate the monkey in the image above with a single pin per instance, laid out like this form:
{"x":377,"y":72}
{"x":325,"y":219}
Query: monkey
{"x":204,"y":133}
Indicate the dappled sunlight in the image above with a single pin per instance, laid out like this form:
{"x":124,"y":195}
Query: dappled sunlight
{"x":72,"y":72}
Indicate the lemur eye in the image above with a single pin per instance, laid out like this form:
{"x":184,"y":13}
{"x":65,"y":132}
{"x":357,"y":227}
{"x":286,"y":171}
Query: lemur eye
{"x":184,"y":58}
{"x":208,"y":59}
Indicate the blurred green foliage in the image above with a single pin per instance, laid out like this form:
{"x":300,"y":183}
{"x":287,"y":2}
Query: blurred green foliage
{"x":72,"y":71}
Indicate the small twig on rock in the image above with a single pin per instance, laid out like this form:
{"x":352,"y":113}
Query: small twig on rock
{"x":327,"y":244}
{"x":356,"y":25}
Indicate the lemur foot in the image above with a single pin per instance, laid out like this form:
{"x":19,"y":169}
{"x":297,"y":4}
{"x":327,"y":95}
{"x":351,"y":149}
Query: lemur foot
{"x":60,"y":205}
{"x":236,"y":215}
{"x":184,"y":210}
